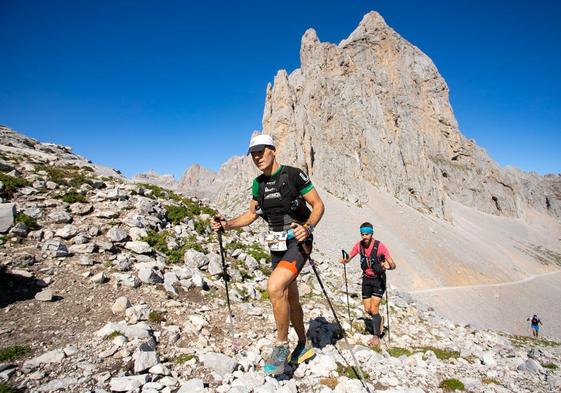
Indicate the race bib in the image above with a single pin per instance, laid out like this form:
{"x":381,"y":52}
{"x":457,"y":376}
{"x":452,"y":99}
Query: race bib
{"x":276,"y":240}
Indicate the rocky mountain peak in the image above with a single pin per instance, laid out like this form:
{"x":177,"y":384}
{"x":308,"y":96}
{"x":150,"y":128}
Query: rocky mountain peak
{"x":374,"y":109}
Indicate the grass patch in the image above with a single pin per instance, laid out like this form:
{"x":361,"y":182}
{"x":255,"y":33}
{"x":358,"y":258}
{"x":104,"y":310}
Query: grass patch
{"x":28,"y":221}
{"x":397,"y":352}
{"x":6,"y":388}
{"x":73,"y":197}
{"x":113,"y":334}
{"x":349,"y":372}
{"x":155,"y":317}
{"x":202,"y":227}
{"x":451,"y":384}
{"x":442,"y":354}
{"x":183,"y":358}
{"x":254,"y":250}
{"x":69,"y":175}
{"x":550,"y":366}
{"x":158,"y":241}
{"x":264,"y":294}
{"x":522,"y":341}
{"x":11,"y":183}
{"x":176,"y":214}
{"x":13,"y":352}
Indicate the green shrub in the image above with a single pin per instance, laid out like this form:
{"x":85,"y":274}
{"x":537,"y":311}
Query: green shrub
{"x":156,"y":317}
{"x":442,"y":354}
{"x":176,"y":214}
{"x":113,"y":334}
{"x":73,"y":196}
{"x":158,"y":241}
{"x":6,"y":388}
{"x":28,"y":221}
{"x":349,"y":372}
{"x":551,"y":366}
{"x":87,"y":169}
{"x":202,"y":227}
{"x":68,"y":175}
{"x":11,"y":184}
{"x":183,"y":358}
{"x":191,"y":242}
{"x":451,"y":384}
{"x":255,"y":250}
{"x":13,"y":352}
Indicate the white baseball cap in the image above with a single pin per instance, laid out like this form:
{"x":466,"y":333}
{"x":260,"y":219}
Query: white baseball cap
{"x":260,"y":142}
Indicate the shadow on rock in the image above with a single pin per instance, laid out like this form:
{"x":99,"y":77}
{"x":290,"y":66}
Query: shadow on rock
{"x":14,"y":288}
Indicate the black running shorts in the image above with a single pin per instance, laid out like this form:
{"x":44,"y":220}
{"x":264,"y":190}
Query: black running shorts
{"x":293,"y":258}
{"x":373,"y":286}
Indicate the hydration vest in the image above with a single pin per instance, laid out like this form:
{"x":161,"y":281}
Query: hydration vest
{"x":535,"y":320}
{"x":373,"y":263}
{"x":292,"y":203}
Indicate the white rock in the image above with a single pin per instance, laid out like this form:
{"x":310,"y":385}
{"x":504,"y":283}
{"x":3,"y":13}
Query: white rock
{"x":489,"y":360}
{"x":67,"y":231}
{"x":120,"y":305}
{"x":7,"y":216}
{"x":127,"y":384}
{"x":138,"y":247}
{"x":219,"y":363}
{"x":192,"y":386}
{"x":116,"y":234}
{"x":46,"y":295}
{"x":99,"y":278}
{"x":55,"y":356}
{"x":59,"y":217}
{"x":322,"y":365}
{"x":150,"y":276}
{"x":55,"y":248}
{"x":159,"y":369}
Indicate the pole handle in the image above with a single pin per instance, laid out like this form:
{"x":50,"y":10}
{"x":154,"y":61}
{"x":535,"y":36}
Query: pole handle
{"x":345,"y":254}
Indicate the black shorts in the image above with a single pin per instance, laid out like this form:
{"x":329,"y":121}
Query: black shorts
{"x":373,"y":286}
{"x":293,"y":258}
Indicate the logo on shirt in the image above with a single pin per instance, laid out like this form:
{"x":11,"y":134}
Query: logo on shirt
{"x":274,"y":195}
{"x":270,"y":189}
{"x":304,"y":177}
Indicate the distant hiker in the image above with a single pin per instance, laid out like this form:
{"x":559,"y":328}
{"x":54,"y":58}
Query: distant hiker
{"x":535,"y":323}
{"x":375,"y":259}
{"x":279,"y":195}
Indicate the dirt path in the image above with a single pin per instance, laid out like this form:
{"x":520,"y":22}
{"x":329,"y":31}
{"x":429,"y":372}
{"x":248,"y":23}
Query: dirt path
{"x":501,"y":284}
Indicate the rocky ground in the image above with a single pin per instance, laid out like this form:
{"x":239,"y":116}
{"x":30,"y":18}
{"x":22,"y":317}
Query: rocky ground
{"x":107,"y":285}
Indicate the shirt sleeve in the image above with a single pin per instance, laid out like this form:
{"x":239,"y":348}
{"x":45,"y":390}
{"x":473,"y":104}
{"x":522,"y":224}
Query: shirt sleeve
{"x":255,"y":189}
{"x":383,"y":250}
{"x":355,"y":250}
{"x":302,"y":182}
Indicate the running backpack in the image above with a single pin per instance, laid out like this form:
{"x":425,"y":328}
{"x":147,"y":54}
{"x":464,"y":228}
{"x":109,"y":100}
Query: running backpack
{"x":535,"y":320}
{"x":372,"y":262}
{"x":292,"y":202}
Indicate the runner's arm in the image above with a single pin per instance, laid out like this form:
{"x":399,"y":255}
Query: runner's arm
{"x":240,"y":221}
{"x":389,"y":264}
{"x":313,"y":198}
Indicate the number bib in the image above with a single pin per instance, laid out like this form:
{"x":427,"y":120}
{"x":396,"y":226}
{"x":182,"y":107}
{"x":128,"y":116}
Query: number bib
{"x":277,"y":240}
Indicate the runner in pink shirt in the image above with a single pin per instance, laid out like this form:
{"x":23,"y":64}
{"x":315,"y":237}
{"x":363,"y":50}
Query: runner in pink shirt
{"x":374,"y":266}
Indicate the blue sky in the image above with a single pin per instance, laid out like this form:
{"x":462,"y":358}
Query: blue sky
{"x":139,"y":85}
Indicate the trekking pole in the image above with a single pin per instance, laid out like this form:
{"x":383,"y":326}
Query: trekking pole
{"x":387,"y":303}
{"x":226,"y":279}
{"x":346,"y":256}
{"x":356,"y":369}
